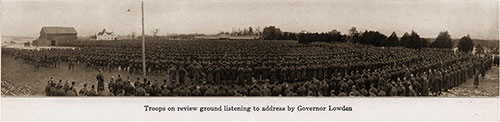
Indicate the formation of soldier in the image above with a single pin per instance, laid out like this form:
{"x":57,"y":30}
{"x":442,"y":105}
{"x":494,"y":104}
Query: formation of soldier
{"x":266,"y":68}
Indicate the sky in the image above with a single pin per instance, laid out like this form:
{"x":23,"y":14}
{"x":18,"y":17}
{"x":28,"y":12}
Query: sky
{"x":478,"y":18}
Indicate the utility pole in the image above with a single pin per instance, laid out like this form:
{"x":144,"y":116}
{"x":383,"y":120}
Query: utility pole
{"x":143,"y":43}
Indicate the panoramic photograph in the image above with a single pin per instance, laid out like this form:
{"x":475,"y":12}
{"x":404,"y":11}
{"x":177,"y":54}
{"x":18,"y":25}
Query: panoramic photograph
{"x":251,"y":48}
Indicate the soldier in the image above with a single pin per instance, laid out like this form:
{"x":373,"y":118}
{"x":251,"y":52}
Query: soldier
{"x":121,"y":93}
{"x":92,"y":91}
{"x":401,"y":89}
{"x":185,"y":91}
{"x":264,"y":91}
{"x":111,"y":85}
{"x":412,"y":92}
{"x":129,"y":89}
{"x":276,"y":90}
{"x":354,"y":91}
{"x":363,"y":91}
{"x":182,"y":74}
{"x":381,"y":92}
{"x":476,"y":79}
{"x":47,"y":88}
{"x":70,"y":92}
{"x":157,"y":90}
{"x":289,"y":92}
{"x":243,"y":90}
{"x":100,"y":80}
{"x":66,"y":86}
{"x":394,"y":89}
{"x":210,"y":91}
{"x":196,"y":92}
{"x":104,"y":92}
{"x":140,"y":91}
{"x":325,"y":88}
{"x":149,"y":89}
{"x":301,"y":91}
{"x":255,"y":91}
{"x":373,"y":91}
{"x":172,"y":73}
{"x":166,"y":91}
{"x":83,"y":91}
{"x":332,"y":93}
{"x":344,"y":86}
{"x":177,"y":91}
{"x":342,"y":92}
{"x":425,"y":87}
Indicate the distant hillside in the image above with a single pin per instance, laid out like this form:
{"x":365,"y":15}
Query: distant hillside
{"x":17,"y":38}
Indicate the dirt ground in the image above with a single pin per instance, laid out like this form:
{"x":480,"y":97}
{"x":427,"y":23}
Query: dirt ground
{"x":487,"y":86}
{"x":19,"y":79}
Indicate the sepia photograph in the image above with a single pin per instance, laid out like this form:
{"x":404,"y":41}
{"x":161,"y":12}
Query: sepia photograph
{"x":248,"y":49}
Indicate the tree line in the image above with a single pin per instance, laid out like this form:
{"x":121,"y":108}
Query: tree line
{"x":375,"y":38}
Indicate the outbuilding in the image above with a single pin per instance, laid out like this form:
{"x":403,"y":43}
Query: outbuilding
{"x":51,"y":36}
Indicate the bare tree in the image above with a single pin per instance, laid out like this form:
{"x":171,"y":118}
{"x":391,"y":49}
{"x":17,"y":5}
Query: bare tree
{"x":155,"y":31}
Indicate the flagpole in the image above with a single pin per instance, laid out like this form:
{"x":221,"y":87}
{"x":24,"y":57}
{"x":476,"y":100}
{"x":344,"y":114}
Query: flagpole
{"x":143,"y":43}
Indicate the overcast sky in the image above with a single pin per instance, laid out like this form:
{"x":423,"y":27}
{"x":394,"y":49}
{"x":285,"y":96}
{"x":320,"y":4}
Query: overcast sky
{"x":479,"y":18}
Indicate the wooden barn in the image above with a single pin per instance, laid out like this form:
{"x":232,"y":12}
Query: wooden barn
{"x":50,"y":36}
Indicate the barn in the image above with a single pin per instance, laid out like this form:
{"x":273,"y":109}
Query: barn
{"x":51,"y":36}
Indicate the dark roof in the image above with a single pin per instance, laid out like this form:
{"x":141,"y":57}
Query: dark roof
{"x":58,"y":30}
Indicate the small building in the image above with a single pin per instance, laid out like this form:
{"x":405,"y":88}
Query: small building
{"x":51,"y":36}
{"x":103,"y":35}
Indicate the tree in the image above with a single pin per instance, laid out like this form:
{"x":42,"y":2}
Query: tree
{"x":465,"y":44}
{"x":133,"y":35}
{"x":413,"y":41}
{"x":393,"y":40}
{"x":353,"y":31}
{"x":443,"y":40}
{"x":271,"y":33}
{"x":354,"y":35}
{"x":155,"y":31}
{"x":404,"y":39}
{"x":250,"y":31}
{"x":373,"y":38}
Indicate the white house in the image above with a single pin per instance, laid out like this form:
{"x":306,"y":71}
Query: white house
{"x":103,"y":35}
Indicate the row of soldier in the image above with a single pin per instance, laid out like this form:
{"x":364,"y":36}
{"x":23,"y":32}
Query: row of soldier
{"x":431,"y":82}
